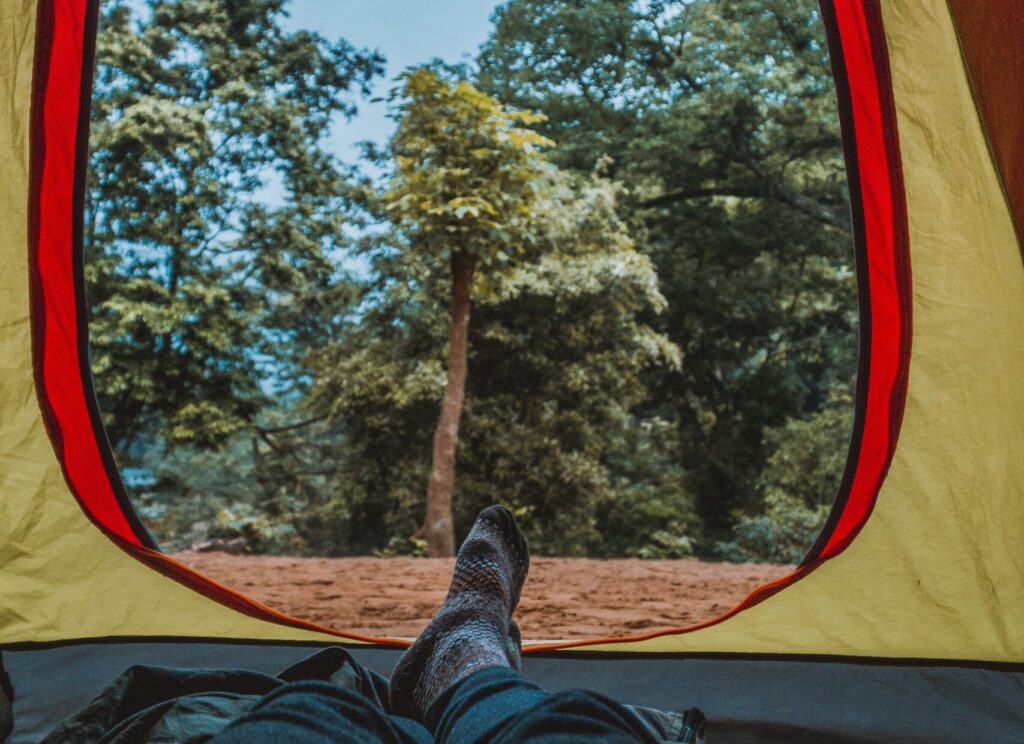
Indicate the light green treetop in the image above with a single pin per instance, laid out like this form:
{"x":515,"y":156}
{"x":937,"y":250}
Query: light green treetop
{"x":466,"y":170}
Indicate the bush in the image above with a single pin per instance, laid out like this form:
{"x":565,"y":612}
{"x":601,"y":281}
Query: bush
{"x":799,"y":482}
{"x":783,"y":534}
{"x":261,"y":533}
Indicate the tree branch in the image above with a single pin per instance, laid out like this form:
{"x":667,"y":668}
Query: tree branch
{"x":813,"y":209}
{"x":290,"y":427}
{"x":803,"y":204}
{"x":703,"y":193}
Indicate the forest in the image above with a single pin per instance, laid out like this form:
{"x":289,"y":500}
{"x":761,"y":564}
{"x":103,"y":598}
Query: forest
{"x":602,"y":273}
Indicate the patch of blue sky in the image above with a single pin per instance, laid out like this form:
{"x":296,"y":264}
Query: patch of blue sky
{"x":407,"y":33}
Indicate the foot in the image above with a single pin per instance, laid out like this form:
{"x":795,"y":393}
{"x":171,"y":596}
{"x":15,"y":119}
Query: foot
{"x":473,"y":630}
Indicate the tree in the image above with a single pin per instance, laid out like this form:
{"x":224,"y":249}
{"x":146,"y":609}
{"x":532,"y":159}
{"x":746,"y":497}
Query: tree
{"x":212,"y":212}
{"x":465,"y":180}
{"x":562,"y":347}
{"x":555,"y":375}
{"x":720,"y":120}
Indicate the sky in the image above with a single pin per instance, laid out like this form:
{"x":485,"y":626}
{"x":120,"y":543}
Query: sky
{"x":407,"y":32}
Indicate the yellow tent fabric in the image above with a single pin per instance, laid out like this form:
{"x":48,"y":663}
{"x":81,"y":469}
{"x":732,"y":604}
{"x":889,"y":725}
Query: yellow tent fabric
{"x":61,"y":577}
{"x":935,"y":572}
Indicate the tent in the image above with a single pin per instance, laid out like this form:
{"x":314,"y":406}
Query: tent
{"x":905,"y":622}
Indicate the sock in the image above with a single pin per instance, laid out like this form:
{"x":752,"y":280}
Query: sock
{"x":473,"y":630}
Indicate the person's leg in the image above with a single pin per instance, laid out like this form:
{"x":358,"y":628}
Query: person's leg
{"x":473,"y":630}
{"x":459,"y":678}
{"x":320,"y":713}
{"x":500,"y":705}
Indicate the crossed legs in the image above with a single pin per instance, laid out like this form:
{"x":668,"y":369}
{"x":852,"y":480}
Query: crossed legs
{"x":459,"y":682}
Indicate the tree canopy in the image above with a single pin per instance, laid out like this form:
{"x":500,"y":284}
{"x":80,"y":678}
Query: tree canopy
{"x":197,"y":273}
{"x":643,"y":201}
{"x":720,"y":120}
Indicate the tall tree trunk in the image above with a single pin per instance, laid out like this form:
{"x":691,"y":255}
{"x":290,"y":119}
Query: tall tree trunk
{"x":438,"y":529}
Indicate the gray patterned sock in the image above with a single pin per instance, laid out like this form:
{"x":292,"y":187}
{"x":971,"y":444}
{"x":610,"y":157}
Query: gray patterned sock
{"x":473,"y":630}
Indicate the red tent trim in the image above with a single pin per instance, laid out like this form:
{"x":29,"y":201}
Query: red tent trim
{"x":62,"y":78}
{"x":60,"y":116}
{"x":882,"y":244}
{"x":66,"y":33}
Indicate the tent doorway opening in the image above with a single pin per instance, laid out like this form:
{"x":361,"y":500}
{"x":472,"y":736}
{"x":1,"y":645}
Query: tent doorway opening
{"x":660,"y":366}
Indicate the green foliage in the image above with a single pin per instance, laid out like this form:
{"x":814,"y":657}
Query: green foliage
{"x":199,"y":286}
{"x":782,"y":533}
{"x":179,"y":493}
{"x":808,"y":455}
{"x":261,"y":533}
{"x":800,"y":483}
{"x":465,"y":171}
{"x":558,"y":351}
{"x":465,"y":179}
{"x":557,"y":372}
{"x":652,"y":514}
{"x":662,"y":338}
{"x":720,"y":121}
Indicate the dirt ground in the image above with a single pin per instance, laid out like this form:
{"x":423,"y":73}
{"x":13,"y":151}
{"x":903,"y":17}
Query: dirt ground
{"x":563,"y":597}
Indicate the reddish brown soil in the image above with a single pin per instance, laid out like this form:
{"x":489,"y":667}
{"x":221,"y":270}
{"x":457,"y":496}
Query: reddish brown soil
{"x":563,"y":597}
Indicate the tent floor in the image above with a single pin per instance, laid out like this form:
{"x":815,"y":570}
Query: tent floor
{"x":753,"y":701}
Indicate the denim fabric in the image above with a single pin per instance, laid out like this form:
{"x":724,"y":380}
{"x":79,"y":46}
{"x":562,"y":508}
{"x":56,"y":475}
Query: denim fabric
{"x":320,"y":713}
{"x":499,"y":705}
{"x":488,"y":707}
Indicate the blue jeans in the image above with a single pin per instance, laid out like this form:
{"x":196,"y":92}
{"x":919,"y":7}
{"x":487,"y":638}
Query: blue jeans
{"x":492,"y":705}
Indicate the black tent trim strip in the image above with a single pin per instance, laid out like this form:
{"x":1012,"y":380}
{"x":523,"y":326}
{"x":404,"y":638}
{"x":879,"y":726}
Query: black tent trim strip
{"x":900,"y":257}
{"x":574,"y":654}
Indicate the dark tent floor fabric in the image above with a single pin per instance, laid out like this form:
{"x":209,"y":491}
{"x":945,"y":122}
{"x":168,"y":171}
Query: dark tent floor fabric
{"x":747,"y":701}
